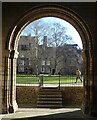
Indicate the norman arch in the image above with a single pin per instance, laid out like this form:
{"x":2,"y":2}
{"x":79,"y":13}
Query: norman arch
{"x":65,"y":14}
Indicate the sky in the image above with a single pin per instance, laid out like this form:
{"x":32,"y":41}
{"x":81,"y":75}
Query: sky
{"x":70,"y":29}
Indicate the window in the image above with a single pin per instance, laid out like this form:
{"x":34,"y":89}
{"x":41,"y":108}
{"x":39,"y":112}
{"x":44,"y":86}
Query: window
{"x":48,"y":63}
{"x":21,"y":61}
{"x":43,"y":62}
{"x":24,"y":47}
{"x":30,"y":45}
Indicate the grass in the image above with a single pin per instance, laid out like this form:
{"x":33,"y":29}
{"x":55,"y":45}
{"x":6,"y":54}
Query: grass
{"x":54,"y":79}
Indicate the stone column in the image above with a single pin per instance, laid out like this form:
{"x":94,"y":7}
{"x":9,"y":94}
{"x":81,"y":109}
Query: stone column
{"x":86,"y":96}
{"x":5,"y":80}
{"x":13,"y":104}
{"x":0,"y":58}
{"x":94,"y":88}
{"x":91,"y":82}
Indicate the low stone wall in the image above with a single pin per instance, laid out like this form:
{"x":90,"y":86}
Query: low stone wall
{"x":26,"y":96}
{"x":72,"y":96}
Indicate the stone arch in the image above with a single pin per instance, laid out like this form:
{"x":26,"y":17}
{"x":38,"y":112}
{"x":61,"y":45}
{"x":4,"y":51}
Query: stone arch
{"x":73,"y":18}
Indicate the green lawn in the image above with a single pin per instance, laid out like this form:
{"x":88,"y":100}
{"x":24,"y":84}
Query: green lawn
{"x":31,"y":79}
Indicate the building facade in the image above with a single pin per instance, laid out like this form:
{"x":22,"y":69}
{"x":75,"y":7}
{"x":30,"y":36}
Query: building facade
{"x":37,"y":58}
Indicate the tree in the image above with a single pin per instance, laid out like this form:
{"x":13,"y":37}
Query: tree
{"x":39,"y":28}
{"x":57,"y":39}
{"x":71,"y":60}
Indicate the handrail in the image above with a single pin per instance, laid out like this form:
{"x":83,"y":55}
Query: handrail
{"x":59,"y":80}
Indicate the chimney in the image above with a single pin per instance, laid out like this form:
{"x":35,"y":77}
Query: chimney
{"x":35,"y":41}
{"x":45,"y":42}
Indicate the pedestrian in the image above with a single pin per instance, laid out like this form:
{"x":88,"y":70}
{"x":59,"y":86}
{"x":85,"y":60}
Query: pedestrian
{"x":78,"y":75}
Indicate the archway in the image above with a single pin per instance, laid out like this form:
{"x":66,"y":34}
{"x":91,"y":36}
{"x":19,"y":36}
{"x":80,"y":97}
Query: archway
{"x":71,"y":17}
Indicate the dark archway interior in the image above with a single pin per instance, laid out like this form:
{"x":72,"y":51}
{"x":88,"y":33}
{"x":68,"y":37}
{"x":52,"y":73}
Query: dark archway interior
{"x":66,"y":14}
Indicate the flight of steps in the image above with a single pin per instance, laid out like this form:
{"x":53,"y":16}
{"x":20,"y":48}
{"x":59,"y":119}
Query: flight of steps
{"x":49,"y":97}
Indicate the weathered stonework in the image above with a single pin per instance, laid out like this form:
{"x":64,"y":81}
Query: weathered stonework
{"x":72,"y":96}
{"x":27,"y":96}
{"x":81,"y":15}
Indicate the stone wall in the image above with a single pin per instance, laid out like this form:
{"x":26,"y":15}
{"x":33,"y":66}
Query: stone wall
{"x":0,"y":58}
{"x":72,"y":96}
{"x":27,"y":96}
{"x":12,"y":13}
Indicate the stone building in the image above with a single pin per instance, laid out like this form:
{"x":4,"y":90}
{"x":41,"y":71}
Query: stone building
{"x":27,"y":49}
{"x":34,"y":58}
{"x":15,"y":16}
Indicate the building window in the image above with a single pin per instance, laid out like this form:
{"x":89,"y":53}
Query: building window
{"x":23,"y":47}
{"x":30,"y":45}
{"x":48,"y":63}
{"x":22,"y":62}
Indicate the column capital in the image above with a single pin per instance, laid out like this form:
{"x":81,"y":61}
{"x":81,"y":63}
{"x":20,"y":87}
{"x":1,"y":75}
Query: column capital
{"x":14,"y":54}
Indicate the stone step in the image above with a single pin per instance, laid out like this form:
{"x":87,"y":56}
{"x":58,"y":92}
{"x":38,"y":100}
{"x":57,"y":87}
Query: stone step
{"x":51,"y":88}
{"x":49,"y":98}
{"x":52,"y":99}
{"x":47,"y":89}
{"x":49,"y":106}
{"x":50,"y":93}
{"x":49,"y":102}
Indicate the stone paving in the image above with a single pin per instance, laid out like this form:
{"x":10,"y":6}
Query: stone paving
{"x":53,"y":85}
{"x":46,"y":113}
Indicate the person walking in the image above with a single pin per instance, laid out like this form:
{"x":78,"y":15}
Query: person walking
{"x":78,"y":75}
